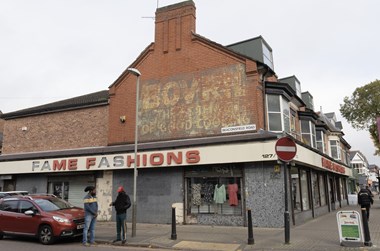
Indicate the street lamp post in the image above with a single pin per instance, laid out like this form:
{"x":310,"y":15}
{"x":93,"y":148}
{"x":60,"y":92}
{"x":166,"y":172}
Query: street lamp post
{"x":134,"y":202}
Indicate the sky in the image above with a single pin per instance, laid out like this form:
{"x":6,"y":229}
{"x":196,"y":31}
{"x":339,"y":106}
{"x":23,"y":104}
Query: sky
{"x":52,"y":50}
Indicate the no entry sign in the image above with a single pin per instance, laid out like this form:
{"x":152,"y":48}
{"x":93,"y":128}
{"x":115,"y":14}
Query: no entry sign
{"x":285,"y":149}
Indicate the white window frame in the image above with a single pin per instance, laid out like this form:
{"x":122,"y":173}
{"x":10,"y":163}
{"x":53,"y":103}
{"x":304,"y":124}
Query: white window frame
{"x":310,"y":134}
{"x":322,"y":141}
{"x":284,"y":106}
{"x":337,"y":146}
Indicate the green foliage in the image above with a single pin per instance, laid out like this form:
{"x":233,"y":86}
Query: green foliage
{"x":362,"y":109}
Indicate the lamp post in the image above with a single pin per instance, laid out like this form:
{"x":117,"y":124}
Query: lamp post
{"x":134,"y":201}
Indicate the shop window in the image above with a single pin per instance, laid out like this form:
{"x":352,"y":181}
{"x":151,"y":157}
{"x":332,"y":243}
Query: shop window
{"x":315,"y":185}
{"x":214,"y":195}
{"x":304,"y":190}
{"x":296,"y":194}
{"x":322,"y":190}
{"x":342,"y":184}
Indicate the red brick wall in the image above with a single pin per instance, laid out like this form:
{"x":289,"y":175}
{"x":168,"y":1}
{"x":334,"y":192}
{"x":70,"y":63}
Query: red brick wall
{"x":188,"y":87}
{"x":57,"y":131}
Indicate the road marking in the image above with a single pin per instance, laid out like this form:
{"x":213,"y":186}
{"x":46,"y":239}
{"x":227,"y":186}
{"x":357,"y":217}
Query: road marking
{"x":206,"y":246}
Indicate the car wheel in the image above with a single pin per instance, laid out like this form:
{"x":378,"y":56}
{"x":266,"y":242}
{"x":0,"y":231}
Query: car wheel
{"x":1,"y":236}
{"x":45,"y":235}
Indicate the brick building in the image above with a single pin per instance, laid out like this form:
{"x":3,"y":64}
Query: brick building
{"x":209,"y":118}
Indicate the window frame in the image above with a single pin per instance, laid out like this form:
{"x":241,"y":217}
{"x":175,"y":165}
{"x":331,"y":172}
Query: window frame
{"x":321,"y":142}
{"x":337,"y":146}
{"x":310,"y":135}
{"x":280,"y":111}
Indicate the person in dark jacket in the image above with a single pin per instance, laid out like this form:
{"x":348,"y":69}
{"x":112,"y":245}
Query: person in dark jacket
{"x":365,"y":199}
{"x":122,"y":203}
{"x":90,"y":214}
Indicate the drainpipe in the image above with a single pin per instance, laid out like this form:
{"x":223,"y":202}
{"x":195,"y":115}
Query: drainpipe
{"x":264,"y":98}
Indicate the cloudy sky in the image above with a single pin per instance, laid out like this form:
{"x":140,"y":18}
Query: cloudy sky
{"x":52,"y":50}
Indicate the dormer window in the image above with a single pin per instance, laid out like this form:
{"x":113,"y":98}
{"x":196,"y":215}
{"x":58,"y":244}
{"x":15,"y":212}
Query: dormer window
{"x":278,"y":113}
{"x":267,"y":56}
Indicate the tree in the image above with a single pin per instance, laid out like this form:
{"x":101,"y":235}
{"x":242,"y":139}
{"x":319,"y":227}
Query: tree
{"x":363,"y":108}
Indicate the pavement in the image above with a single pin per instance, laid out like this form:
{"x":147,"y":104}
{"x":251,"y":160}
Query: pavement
{"x":317,"y":235}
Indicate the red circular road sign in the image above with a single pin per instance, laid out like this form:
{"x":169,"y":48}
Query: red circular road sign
{"x":285,"y":149}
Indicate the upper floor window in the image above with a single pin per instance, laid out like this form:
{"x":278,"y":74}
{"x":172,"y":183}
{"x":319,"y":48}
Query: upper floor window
{"x":335,"y":149}
{"x":345,"y":156}
{"x":298,"y":88}
{"x":320,"y":141}
{"x":267,"y":56}
{"x":278,"y":113}
{"x":308,"y":132}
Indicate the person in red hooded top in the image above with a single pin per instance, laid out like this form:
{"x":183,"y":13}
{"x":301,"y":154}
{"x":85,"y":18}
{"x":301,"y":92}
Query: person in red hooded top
{"x":121,"y":204}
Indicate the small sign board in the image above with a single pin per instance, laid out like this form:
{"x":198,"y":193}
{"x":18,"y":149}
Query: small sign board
{"x":350,"y":229}
{"x":242,"y":128}
{"x":286,"y":149}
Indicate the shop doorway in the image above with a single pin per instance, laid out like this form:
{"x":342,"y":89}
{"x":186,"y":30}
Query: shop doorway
{"x":59,"y":189}
{"x":9,"y":185}
{"x":70,"y":188}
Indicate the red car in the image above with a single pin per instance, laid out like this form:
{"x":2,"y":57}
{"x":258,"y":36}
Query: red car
{"x":43,"y":216}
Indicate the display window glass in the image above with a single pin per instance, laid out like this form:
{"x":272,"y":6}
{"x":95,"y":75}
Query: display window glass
{"x":216,"y":189}
{"x":214,"y":195}
{"x":296,"y":194}
{"x":315,"y":185}
{"x":322,"y":190}
{"x":304,"y":190}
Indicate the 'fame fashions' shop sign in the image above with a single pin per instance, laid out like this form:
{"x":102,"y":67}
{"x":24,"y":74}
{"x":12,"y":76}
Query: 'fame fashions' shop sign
{"x":117,"y":161}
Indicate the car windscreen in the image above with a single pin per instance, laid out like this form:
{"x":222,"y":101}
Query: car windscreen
{"x":52,"y":204}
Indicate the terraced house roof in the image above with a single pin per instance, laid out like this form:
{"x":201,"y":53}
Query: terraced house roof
{"x":88,"y":100}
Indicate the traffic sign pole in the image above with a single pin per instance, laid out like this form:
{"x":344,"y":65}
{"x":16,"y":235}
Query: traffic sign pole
{"x":286,"y":213}
{"x":286,"y":150}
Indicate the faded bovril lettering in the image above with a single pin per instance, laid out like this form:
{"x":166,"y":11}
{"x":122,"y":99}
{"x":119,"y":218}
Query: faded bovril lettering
{"x":194,"y":105}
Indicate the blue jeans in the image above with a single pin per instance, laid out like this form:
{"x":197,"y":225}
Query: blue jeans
{"x":121,"y":227}
{"x":89,"y":226}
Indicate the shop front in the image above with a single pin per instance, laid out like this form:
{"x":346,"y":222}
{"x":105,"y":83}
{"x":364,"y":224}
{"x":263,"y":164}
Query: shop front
{"x":211,"y":181}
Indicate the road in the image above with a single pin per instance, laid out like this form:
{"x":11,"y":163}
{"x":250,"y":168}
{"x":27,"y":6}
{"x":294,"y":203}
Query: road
{"x":26,"y":244}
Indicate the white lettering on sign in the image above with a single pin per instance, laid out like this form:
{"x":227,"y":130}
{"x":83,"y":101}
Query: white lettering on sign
{"x":286,"y":148}
{"x":239,"y":128}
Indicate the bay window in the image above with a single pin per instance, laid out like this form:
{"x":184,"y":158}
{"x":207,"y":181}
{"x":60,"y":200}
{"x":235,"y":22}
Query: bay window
{"x":308,"y":132}
{"x":278,"y":113}
{"x":320,"y":141}
{"x":335,"y":149}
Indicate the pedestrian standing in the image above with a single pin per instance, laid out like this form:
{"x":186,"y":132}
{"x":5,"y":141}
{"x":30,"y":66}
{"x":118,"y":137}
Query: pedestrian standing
{"x":90,"y":214}
{"x":122,"y":203}
{"x":365,"y":199}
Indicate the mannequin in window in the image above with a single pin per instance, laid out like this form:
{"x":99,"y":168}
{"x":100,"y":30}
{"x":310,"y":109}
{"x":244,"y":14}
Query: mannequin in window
{"x":207,"y":191}
{"x":219,"y":194}
{"x":232,"y":194}
{"x":196,"y":194}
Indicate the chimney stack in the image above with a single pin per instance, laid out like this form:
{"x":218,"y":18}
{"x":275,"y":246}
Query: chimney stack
{"x":174,"y":26}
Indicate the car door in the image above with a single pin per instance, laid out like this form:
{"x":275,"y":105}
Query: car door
{"x":30,"y":223}
{"x":8,"y":216}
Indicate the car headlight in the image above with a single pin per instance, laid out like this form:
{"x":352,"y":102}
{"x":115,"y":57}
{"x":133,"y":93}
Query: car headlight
{"x":61,"y":220}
